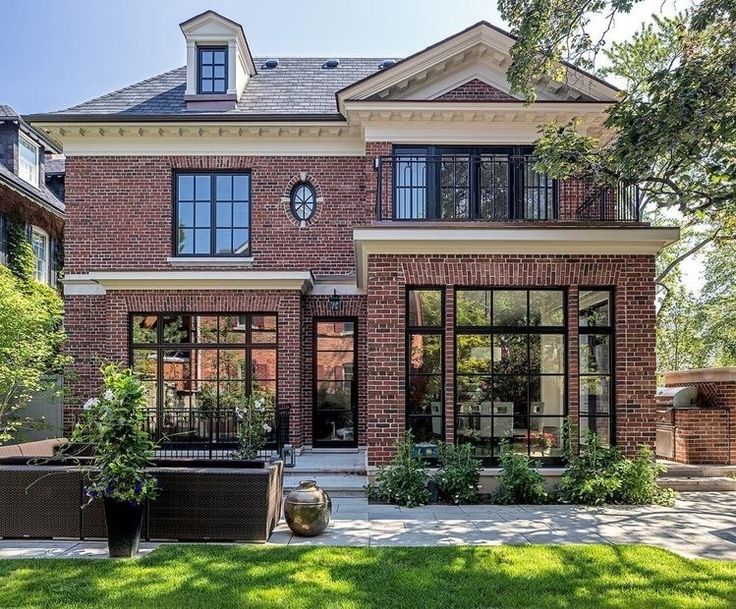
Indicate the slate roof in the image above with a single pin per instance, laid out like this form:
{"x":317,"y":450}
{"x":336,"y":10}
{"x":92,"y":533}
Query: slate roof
{"x":297,"y":86}
{"x":54,"y":165}
{"x":42,"y":195}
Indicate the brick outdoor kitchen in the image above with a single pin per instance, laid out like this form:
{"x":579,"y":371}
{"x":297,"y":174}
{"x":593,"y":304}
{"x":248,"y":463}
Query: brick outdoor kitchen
{"x":364,"y":241}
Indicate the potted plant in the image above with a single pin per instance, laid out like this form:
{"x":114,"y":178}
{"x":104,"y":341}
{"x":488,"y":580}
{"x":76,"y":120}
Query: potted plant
{"x":113,"y":426}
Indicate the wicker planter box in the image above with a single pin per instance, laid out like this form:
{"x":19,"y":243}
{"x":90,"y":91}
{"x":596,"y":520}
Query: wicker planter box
{"x":195,"y":502}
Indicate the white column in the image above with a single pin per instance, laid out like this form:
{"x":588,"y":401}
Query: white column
{"x":191,"y":68}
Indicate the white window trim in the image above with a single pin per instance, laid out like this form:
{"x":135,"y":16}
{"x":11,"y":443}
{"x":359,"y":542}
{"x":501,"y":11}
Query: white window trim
{"x":33,"y":177}
{"x":35,"y":230}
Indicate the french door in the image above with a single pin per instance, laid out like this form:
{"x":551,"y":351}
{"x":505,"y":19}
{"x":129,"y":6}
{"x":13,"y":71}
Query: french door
{"x":335,"y":412}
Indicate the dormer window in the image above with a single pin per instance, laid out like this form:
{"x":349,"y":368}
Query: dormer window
{"x":212,"y":69}
{"x":27,"y":160}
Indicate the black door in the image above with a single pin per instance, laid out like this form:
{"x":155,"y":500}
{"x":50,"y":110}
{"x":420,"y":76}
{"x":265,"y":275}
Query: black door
{"x":334,"y":422}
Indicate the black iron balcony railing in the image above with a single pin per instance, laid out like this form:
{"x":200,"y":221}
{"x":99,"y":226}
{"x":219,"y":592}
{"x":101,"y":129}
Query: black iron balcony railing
{"x":491,"y":187}
{"x":208,"y":434}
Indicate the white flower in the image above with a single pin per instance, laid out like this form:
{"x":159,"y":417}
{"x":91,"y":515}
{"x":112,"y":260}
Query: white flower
{"x":259,"y":405}
{"x":239,"y":413}
{"x":266,"y":428}
{"x":108,"y":395}
{"x":91,"y":403}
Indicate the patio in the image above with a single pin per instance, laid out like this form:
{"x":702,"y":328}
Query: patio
{"x":700,"y":525}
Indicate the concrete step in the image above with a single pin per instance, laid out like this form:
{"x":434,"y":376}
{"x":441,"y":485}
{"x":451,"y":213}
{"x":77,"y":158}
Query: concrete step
{"x":336,"y":485}
{"x":698,"y":483}
{"x":683,"y":470}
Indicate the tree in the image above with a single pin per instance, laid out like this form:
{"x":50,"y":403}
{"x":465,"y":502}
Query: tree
{"x":30,"y":342}
{"x":674,"y":126}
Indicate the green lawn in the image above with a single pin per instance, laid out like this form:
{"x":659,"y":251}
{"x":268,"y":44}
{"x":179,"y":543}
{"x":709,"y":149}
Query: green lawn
{"x":209,"y":577}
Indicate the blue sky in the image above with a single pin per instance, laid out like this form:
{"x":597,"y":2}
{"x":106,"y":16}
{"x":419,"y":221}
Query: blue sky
{"x":61,"y":52}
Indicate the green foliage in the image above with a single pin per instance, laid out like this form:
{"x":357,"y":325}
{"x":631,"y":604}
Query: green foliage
{"x":404,"y":482}
{"x":518,"y":482}
{"x":459,"y":474}
{"x":601,"y":474}
{"x":114,"y":427}
{"x":31,"y":336}
{"x":253,"y":426}
{"x":21,"y":259}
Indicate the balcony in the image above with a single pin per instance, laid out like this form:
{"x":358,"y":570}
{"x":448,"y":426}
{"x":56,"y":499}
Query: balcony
{"x":492,"y":188}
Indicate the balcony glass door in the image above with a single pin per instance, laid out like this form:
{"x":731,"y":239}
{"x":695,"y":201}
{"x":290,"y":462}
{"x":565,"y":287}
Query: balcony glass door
{"x":334,"y":422}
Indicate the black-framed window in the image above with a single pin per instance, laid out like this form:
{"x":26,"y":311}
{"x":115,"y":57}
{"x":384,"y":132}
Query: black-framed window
{"x":204,"y":362}
{"x":212,"y":69}
{"x":425,"y":387}
{"x":212,"y":214}
{"x":470,"y":183}
{"x":596,"y":366}
{"x":510,"y":367}
{"x":303,"y":201}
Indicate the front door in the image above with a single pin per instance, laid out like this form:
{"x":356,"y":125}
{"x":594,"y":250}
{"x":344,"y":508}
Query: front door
{"x":334,"y":422}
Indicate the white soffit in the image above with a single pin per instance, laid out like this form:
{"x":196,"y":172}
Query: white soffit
{"x":506,"y":240}
{"x":97,"y":283}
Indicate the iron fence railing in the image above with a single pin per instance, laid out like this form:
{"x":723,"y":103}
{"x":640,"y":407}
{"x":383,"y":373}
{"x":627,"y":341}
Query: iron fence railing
{"x":209,"y":434}
{"x":490,"y":187}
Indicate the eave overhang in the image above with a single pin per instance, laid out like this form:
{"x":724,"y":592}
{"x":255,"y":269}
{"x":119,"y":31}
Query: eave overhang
{"x":449,"y":240}
{"x":100,"y":282}
{"x":33,"y":195}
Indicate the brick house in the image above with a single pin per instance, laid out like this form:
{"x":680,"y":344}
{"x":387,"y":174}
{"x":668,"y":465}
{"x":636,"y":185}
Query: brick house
{"x":31,"y":194}
{"x":365,"y":241}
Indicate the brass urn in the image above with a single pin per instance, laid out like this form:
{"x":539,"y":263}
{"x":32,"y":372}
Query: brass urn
{"x":307,"y":509}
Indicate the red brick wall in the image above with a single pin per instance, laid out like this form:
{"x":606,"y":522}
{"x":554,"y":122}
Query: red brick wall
{"x":630,"y":276}
{"x":476,"y":91}
{"x":97,"y":329}
{"x":119,"y":211}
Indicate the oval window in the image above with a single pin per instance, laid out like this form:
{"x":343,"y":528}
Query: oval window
{"x":303,"y":201}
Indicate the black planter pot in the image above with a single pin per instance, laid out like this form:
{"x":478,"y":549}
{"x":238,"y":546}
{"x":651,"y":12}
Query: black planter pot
{"x":124,"y":522}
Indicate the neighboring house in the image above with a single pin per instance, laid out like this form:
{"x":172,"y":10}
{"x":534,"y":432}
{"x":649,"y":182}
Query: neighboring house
{"x":364,"y":239}
{"x":31,"y":193}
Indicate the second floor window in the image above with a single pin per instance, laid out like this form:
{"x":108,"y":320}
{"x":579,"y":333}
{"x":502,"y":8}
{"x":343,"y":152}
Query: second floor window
{"x":212,"y":70}
{"x":212,"y":214}
{"x":28,"y":160}
{"x":40,"y":245}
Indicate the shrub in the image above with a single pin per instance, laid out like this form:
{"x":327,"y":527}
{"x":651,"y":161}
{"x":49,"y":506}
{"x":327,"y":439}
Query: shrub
{"x":459,"y":474}
{"x":253,"y":426}
{"x":404,"y":482}
{"x":600,"y":475}
{"x":518,"y":481}
{"x":639,"y":480}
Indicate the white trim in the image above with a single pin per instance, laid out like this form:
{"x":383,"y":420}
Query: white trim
{"x":32,"y":176}
{"x":187,"y":280}
{"x":506,"y":240}
{"x":342,"y":289}
{"x":209,"y":261}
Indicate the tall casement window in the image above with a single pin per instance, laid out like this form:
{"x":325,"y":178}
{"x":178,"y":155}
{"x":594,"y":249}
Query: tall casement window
{"x":212,"y":214}
{"x":425,"y":386}
{"x":453,"y":183}
{"x":596,"y":363}
{"x":212,"y":69}
{"x":27,"y":160}
{"x":510,"y":370}
{"x":195,"y":365}
{"x":40,"y":245}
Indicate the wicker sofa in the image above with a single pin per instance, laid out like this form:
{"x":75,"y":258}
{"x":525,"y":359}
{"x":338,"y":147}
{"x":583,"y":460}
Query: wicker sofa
{"x":217,"y":501}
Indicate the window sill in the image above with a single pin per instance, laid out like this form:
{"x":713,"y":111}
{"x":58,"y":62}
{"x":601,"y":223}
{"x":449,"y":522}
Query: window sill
{"x":209,"y":261}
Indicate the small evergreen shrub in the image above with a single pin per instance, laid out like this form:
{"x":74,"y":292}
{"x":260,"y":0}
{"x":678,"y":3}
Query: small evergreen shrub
{"x":639,"y":480}
{"x":459,"y":475}
{"x":518,"y":481}
{"x":404,"y":481}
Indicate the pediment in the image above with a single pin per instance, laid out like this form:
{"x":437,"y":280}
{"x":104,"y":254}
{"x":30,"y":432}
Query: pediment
{"x":212,"y":24}
{"x":479,"y":54}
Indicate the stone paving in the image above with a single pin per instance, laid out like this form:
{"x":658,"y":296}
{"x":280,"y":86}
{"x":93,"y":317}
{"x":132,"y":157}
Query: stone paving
{"x":699,"y":525}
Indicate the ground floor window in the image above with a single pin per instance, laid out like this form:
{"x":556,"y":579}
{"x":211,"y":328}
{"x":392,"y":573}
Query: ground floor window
{"x":199,"y":368}
{"x":425,"y":388}
{"x":510,"y":363}
{"x":596,"y":338}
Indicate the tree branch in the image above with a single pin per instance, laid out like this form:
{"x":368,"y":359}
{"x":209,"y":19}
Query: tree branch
{"x":688,"y":253}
